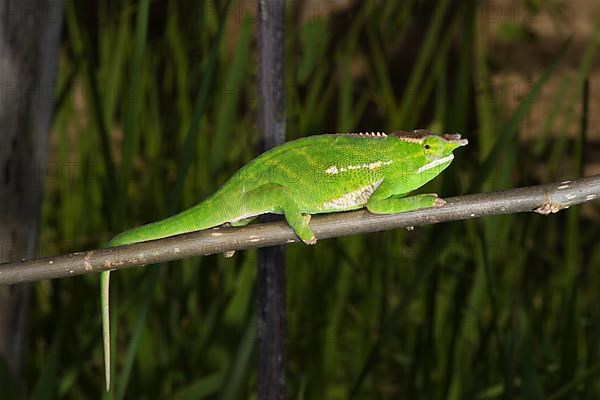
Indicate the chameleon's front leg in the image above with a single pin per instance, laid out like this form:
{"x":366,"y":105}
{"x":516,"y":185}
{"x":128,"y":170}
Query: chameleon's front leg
{"x":385,"y":201}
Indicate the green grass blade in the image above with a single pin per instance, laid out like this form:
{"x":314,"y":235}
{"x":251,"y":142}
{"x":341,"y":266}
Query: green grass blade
{"x":583,"y":74}
{"x":239,"y":371}
{"x":230,"y":95}
{"x":83,"y":49}
{"x":419,"y":69}
{"x":199,"y":105}
{"x":509,"y":132}
{"x":46,"y":384}
{"x":153,"y":272}
{"x":132,"y":112}
{"x":201,"y":388}
{"x":135,"y":338}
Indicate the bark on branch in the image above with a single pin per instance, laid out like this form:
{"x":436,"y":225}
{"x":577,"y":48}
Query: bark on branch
{"x":544,"y":199}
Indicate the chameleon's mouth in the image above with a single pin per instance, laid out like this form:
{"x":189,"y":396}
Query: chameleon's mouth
{"x":435,"y":163}
{"x":455,"y":138}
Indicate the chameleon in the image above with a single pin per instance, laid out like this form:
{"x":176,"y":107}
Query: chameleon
{"x":312,"y":175}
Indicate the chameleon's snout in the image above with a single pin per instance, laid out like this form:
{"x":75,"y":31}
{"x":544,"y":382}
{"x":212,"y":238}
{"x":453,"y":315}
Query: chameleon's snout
{"x":455,"y":139}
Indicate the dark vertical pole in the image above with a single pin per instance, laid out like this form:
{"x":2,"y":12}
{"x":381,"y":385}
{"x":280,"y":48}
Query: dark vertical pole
{"x":271,"y":269}
{"x":29,"y":41}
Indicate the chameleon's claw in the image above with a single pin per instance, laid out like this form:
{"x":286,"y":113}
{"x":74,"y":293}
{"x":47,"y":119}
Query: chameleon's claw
{"x":439,"y":202}
{"x":549,"y":208}
{"x":306,"y":231}
{"x":311,"y":241}
{"x":229,"y":254}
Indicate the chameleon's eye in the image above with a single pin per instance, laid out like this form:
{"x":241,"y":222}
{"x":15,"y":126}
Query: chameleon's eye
{"x":427,"y":147}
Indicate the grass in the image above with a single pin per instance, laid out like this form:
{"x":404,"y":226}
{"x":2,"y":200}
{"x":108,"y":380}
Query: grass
{"x":160,"y":109}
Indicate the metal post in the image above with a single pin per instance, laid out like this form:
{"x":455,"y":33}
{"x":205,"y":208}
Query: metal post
{"x":271,"y":268}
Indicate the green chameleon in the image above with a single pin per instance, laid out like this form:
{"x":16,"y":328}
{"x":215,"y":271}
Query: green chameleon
{"x":312,"y":175}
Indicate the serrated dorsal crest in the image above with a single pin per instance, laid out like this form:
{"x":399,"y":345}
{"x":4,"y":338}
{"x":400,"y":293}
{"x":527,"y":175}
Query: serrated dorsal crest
{"x":365,"y":134}
{"x":415,"y":136}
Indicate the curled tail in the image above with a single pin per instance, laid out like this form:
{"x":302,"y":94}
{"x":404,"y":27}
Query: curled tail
{"x":204,"y":215}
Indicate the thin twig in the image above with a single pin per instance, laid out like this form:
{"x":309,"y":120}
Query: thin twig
{"x":544,"y":198}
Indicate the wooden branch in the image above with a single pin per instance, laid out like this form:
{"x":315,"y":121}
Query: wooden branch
{"x":543,"y":199}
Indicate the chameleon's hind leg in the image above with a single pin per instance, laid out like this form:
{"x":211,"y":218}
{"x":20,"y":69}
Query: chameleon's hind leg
{"x":237,"y":223}
{"x":271,"y":197}
{"x":385,"y":201}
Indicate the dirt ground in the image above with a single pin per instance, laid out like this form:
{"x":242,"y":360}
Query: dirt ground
{"x":519,"y":63}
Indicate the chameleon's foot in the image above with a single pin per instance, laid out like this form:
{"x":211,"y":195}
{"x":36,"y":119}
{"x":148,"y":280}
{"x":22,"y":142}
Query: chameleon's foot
{"x":304,"y":232}
{"x":310,"y":241}
{"x":398,"y":204}
{"x":439,"y":202}
{"x":549,"y":208}
{"x":228,"y":254}
{"x":241,"y":222}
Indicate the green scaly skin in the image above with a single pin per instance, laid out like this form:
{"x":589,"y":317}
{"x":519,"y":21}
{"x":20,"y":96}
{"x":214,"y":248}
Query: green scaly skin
{"x":312,"y":175}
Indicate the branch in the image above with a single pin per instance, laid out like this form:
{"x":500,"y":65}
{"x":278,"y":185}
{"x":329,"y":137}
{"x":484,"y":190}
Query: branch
{"x":543,"y":199}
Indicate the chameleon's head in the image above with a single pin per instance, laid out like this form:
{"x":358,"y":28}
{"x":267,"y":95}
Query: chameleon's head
{"x":441,"y":147}
{"x":435,"y":153}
